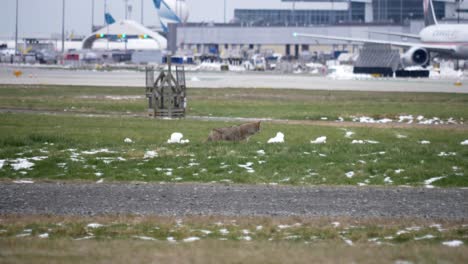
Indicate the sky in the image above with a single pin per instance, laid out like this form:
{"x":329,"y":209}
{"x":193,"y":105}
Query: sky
{"x":41,"y":18}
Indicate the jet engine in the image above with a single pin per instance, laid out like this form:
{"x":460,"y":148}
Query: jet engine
{"x":416,"y":56}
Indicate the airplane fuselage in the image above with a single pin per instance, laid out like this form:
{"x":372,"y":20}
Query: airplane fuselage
{"x":448,"y":34}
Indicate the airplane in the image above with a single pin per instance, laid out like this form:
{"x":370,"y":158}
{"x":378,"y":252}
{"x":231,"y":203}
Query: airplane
{"x":109,"y":19}
{"x":171,"y":11}
{"x":437,"y":40}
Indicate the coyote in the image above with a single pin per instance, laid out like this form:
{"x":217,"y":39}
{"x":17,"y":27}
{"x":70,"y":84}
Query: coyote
{"x":234,"y":133}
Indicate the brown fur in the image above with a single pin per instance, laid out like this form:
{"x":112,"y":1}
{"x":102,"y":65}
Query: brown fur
{"x":234,"y":133}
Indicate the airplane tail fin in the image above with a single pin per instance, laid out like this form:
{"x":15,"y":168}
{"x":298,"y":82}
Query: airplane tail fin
{"x":109,"y":19}
{"x":157,"y":4}
{"x":429,"y":13}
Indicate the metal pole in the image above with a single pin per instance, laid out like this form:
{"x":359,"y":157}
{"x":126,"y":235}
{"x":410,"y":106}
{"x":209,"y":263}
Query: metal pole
{"x":142,"y":15}
{"x":63,"y":26}
{"x":126,"y":9}
{"x":16,"y":29}
{"x":92,"y":16}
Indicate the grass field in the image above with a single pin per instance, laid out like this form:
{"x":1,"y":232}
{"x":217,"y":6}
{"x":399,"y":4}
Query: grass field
{"x":257,"y":103}
{"x":66,"y":147}
{"x":239,"y":240}
{"x":84,"y":148}
{"x":90,"y":148}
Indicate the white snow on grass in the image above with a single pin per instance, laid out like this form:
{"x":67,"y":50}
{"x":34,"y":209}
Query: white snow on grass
{"x":388,"y":180}
{"x":424,"y":237}
{"x":447,"y":154}
{"x":45,"y":235}
{"x":246,"y":238}
{"x":99,"y":174}
{"x":453,"y":243}
{"x":171,"y":240}
{"x":223,"y":231}
{"x":258,"y":228}
{"x":21,"y":164}
{"x":23,"y":181}
{"x":347,"y":241}
{"x":425,"y":142}
{"x":247,"y":166}
{"x":364,"y":142}
{"x":350,"y":174}
{"x":349,"y":134}
{"x":319,"y":140}
{"x":96,"y":151}
{"x":145,"y":238}
{"x":150,"y":154}
{"x":2,"y":162}
{"x":398,"y":171}
{"x":176,"y":138}
{"x":400,"y":136}
{"x":464,"y":143}
{"x":128,"y":140}
{"x":191,"y":239}
{"x":261,"y":152}
{"x":94,"y":225}
{"x":431,"y":180}
{"x":279,"y":138}
{"x":100,"y":181}
{"x":335,"y":224}
{"x":84,"y":238}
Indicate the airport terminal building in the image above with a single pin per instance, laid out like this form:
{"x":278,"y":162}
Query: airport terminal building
{"x":271,"y":29}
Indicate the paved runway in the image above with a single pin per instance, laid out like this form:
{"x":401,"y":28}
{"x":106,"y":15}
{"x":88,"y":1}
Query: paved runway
{"x":227,"y":80}
{"x":235,"y":200}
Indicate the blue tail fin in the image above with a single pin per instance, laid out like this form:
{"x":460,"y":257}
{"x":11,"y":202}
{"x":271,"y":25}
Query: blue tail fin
{"x":429,"y":13}
{"x":109,"y":19}
{"x":157,"y":3}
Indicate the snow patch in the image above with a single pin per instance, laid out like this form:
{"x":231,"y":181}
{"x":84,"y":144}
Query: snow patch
{"x":319,"y":140}
{"x":176,"y":138}
{"x":447,"y":154}
{"x":45,"y":235}
{"x":364,"y":142}
{"x":349,"y":134}
{"x":279,"y":138}
{"x":425,"y":142}
{"x":145,"y":238}
{"x":350,"y":174}
{"x":20,"y":164}
{"x":464,"y":143}
{"x":150,"y":154}
{"x":191,"y":239}
{"x":94,"y":225}
{"x":23,"y":181}
{"x":128,"y":140}
{"x":453,"y":243}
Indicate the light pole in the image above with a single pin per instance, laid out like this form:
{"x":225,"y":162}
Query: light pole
{"x":16,"y":29}
{"x":126,"y":9}
{"x":63,"y":27}
{"x":92,"y":16}
{"x":142,"y":7}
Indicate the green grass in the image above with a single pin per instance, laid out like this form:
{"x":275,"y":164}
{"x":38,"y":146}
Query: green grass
{"x":290,"y":240}
{"x":362,"y":231}
{"x":63,"y":139}
{"x":260,"y":103}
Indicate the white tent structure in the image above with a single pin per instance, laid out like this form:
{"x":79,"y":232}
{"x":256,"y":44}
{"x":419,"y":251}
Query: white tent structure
{"x":132,"y":31}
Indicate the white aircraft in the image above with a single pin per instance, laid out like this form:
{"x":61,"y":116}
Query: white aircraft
{"x":438,"y":40}
{"x":171,"y":11}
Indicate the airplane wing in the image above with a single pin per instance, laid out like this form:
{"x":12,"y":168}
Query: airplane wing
{"x":429,"y":47}
{"x":413,"y":36}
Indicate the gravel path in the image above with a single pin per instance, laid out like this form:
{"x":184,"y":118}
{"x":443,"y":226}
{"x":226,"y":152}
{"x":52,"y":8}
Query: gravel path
{"x":235,"y":200}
